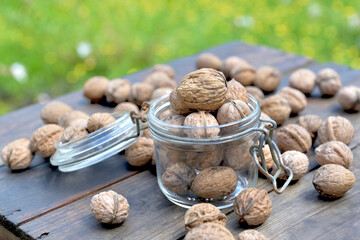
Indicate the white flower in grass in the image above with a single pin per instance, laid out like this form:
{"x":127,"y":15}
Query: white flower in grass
{"x":245,"y":21}
{"x":18,"y":71}
{"x":314,"y":10}
{"x":354,"y":21}
{"x":83,"y":49}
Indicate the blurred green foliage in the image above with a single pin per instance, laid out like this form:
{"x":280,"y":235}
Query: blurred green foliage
{"x":128,"y":35}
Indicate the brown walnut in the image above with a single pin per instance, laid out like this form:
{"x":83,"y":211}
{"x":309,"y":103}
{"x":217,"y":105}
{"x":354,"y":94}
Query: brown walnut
{"x":127,"y":106}
{"x":267,"y":78}
{"x":52,"y":111}
{"x":244,"y":74}
{"x":329,"y":81}
{"x":277,"y":108}
{"x":140,"y":153}
{"x":303,"y":80}
{"x":174,"y":119}
{"x":293,"y":137}
{"x":311,"y":123}
{"x":209,"y":231}
{"x":238,"y":157}
{"x":232,"y":111}
{"x":140,"y":92}
{"x":298,"y":163}
{"x":251,"y":234}
{"x":178,"y":177}
{"x":256,"y":92}
{"x":118,"y":90}
{"x":230,"y":63}
{"x":204,"y":159}
{"x":99,"y":120}
{"x":208,"y":60}
{"x":334,"y":152}
{"x":336,"y":129}
{"x":66,"y":119}
{"x":73,"y":132}
{"x":44,"y":138}
{"x":295,"y":98}
{"x":267,"y":156}
{"x":201,"y":119}
{"x":160,"y":80}
{"x":17,"y":155}
{"x":94,"y":88}
{"x":159,"y":92}
{"x":164,"y":68}
{"x":349,"y":98}
{"x":236,"y":91}
{"x":177,"y":106}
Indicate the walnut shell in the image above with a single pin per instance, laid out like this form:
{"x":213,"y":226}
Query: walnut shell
{"x":204,"y":159}
{"x":99,"y":120}
{"x":73,"y":132}
{"x":201,"y":119}
{"x":118,"y":90}
{"x":140,"y":92}
{"x":349,"y":98}
{"x":244,"y":74}
{"x":94,"y":88}
{"x":215,"y":182}
{"x":52,"y":111}
{"x":298,"y":163}
{"x":265,"y":116}
{"x":66,"y":119}
{"x":140,"y":153}
{"x":311,"y":123}
{"x":159,"y":92}
{"x":209,"y":231}
{"x":160,"y":80}
{"x":79,"y":123}
{"x":168,"y":157}
{"x":277,"y":108}
{"x":203,"y":213}
{"x":178,"y":177}
{"x":303,"y":80}
{"x":109,"y":207}
{"x":44,"y":138}
{"x":293,"y":137}
{"x":334,"y":152}
{"x":267,"y":78}
{"x":17,"y":155}
{"x":164,"y":68}
{"x":329,"y":81}
{"x":253,"y":206}
{"x":236,"y":91}
{"x":333,"y":181}
{"x":127,"y":106}
{"x":238,"y":157}
{"x":336,"y":129}
{"x":174,"y":119}
{"x":256,"y":92}
{"x":232,"y":111}
{"x":295,"y":98}
{"x":230,"y":63}
{"x":208,"y":60}
{"x":177,"y":106}
{"x":251,"y":234}
{"x":203,"y":89}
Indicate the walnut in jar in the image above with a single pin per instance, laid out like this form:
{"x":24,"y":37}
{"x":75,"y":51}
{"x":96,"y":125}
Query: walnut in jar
{"x":201,"y":119}
{"x":336,"y":129}
{"x":236,"y":91}
{"x":267,"y":78}
{"x":208,"y":60}
{"x":94,"y":88}
{"x":303,"y":80}
{"x":44,"y":138}
{"x":174,"y":119}
{"x":118,"y":90}
{"x":232,"y":111}
{"x":17,"y":155}
{"x":204,"y":159}
{"x":177,"y":106}
{"x":178,"y":177}
{"x":52,"y":111}
{"x":238,"y":157}
{"x":329,"y":81}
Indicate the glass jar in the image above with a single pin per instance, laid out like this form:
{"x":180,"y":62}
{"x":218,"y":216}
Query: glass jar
{"x":225,"y":156}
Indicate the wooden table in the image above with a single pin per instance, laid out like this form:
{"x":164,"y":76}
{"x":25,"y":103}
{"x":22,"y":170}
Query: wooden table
{"x":43,"y":203}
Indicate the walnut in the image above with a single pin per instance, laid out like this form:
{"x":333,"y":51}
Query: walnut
{"x":256,"y":92}
{"x":251,"y":234}
{"x":253,"y":206}
{"x":177,"y":105}
{"x":208,"y":60}
{"x":109,"y":207}
{"x":244,"y":74}
{"x":73,"y":132}
{"x":333,"y":181}
{"x":203,"y":89}
{"x":295,"y":98}
{"x":52,"y":111}
{"x":209,"y":231}
{"x":99,"y":120}
{"x":215,"y":182}
{"x":293,"y":137}
{"x":311,"y":123}
{"x":349,"y":98}
{"x":160,"y":80}
{"x":164,"y":68}
{"x":204,"y":159}
{"x":118,"y":90}
{"x":17,"y":155}
{"x":140,"y":153}
{"x":329,"y":81}
{"x":298,"y":163}
{"x":203,"y":213}
{"x":232,"y":111}
{"x":303,"y":80}
{"x":238,"y":157}
{"x":174,"y":119}
{"x":334,"y":152}
{"x":140,"y":92}
{"x":230,"y":63}
{"x":267,"y":78}
{"x":159,"y":92}
{"x":94,"y":88}
{"x":168,"y":157}
{"x":265,"y":116}
{"x":268,"y":157}
{"x":336,"y":129}
{"x":127,"y":106}
{"x":201,"y":120}
{"x":44,"y":138}
{"x":66,"y":119}
{"x":236,"y":91}
{"x":277,"y":108}
{"x":178,"y":177}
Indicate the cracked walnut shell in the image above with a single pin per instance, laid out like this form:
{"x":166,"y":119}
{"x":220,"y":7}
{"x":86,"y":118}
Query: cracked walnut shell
{"x":17,"y":155}
{"x":298,"y":163}
{"x":251,"y":234}
{"x":208,"y":60}
{"x":236,"y":91}
{"x":109,"y":207}
{"x":203,"y":213}
{"x":44,"y":138}
{"x":303,"y":80}
{"x":204,"y":89}
{"x":295,"y":98}
{"x":277,"y":108}
{"x":349,"y":98}
{"x":334,"y":152}
{"x":118,"y":90}
{"x":232,"y":111}
{"x":209,"y":231}
{"x":94,"y":88}
{"x":141,"y":152}
{"x":336,"y":129}
{"x":201,"y":119}
{"x":311,"y":123}
{"x":329,"y":81}
{"x":333,"y":181}
{"x":253,"y":206}
{"x":293,"y":137}
{"x":52,"y":111}
{"x":178,"y":177}
{"x":267,"y":78}
{"x":99,"y":120}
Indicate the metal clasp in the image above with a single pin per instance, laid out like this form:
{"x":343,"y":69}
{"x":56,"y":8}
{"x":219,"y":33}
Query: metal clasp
{"x":266,"y":137}
{"x":137,"y":118}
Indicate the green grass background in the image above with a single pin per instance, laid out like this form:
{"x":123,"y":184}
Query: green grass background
{"x":128,"y":35}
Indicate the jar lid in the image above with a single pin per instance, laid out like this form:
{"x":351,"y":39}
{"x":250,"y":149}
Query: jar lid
{"x":97,"y":146}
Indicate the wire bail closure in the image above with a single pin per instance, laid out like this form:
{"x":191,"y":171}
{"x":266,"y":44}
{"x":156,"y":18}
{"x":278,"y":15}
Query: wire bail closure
{"x":141,"y":117}
{"x":266,"y":137}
